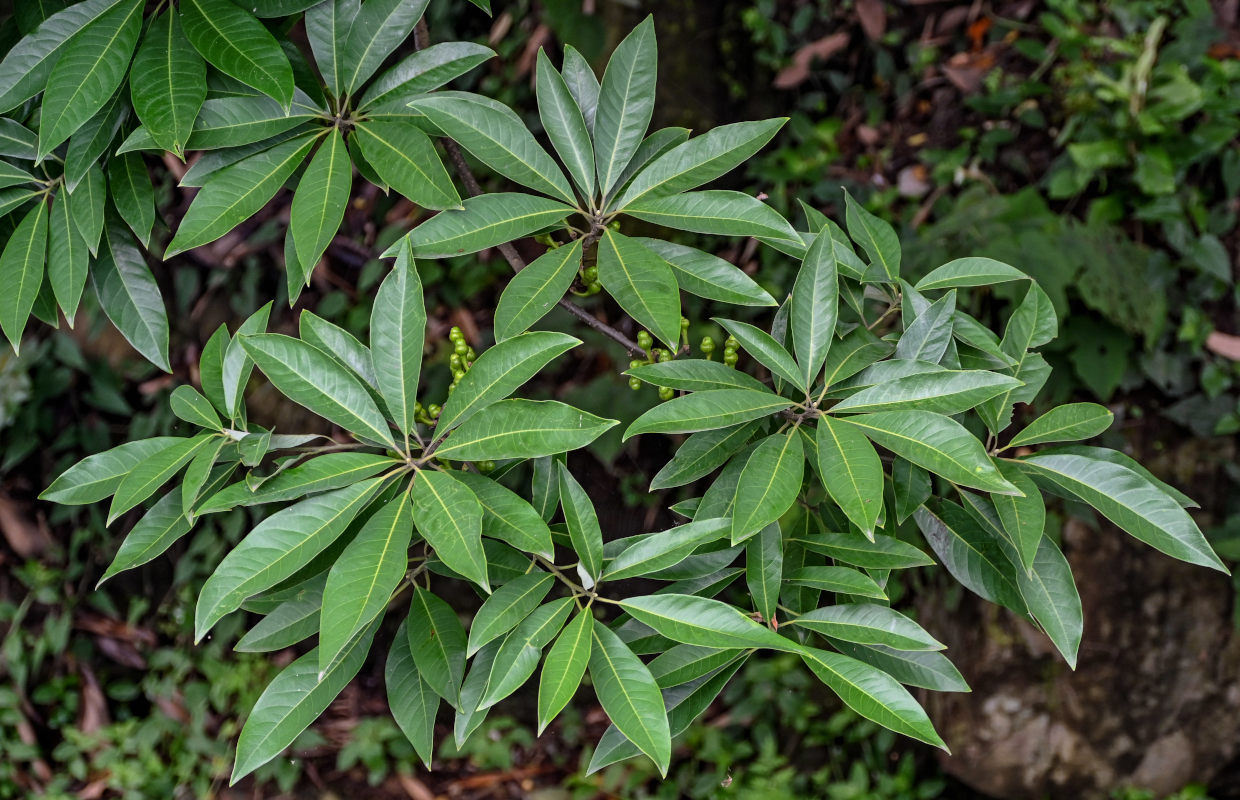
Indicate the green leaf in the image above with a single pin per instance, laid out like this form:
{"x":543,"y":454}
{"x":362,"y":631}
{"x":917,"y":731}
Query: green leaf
{"x":702,"y":453}
{"x":397,"y":335}
{"x":947,"y":393}
{"x":868,"y":624}
{"x":764,"y":569}
{"x":449,"y":517}
{"x":168,"y":83}
{"x":708,"y":276}
{"x":873,"y":694}
{"x":486,"y":221}
{"x":630,"y":696}
{"x":1050,"y":592}
{"x":412,"y":701}
{"x":94,"y":138}
{"x":21,"y":272}
{"x":198,"y":473}
{"x":90,"y":68}
{"x":564,"y":668}
{"x":320,"y":201}
{"x":291,"y":621}
{"x":911,"y":487}
{"x":770,"y":353}
{"x":67,"y":258}
{"x":320,"y":474}
{"x":582,"y":521}
{"x":702,"y":621}
{"x":701,"y":411}
{"x":504,"y":610}
{"x":499,"y":372}
{"x":582,"y":84}
{"x":522,"y":429}
{"x":927,"y":338}
{"x":936,"y":443}
{"x":642,"y":283}
{"x":565,"y":125}
{"x":700,"y":160}
{"x":508,"y":517}
{"x":769,"y":484}
{"x":13,"y":176}
{"x":130,"y":297}
{"x":361,"y":582}
{"x":883,"y":552}
{"x":437,"y":641}
{"x":521,"y":651}
{"x":89,"y":199}
{"x":378,"y":28}
{"x":876,"y":237}
{"x":533,"y":291}
{"x":973,"y":557}
{"x":815,"y":308}
{"x":665,"y":549}
{"x":1033,"y":323}
{"x":1068,"y":423}
{"x":237,"y":192}
{"x":497,"y":137}
{"x":251,"y":122}
{"x":341,"y":345}
{"x":1130,"y":501}
{"x":297,"y":696}
{"x":468,"y":716}
{"x":277,"y":548}
{"x":1116,"y":457}
{"x":625,"y":106}
{"x":309,"y":377}
{"x":17,"y":141}
{"x":841,"y":580}
{"x":851,"y":472}
{"x":238,"y":45}
{"x":1023,"y":518}
{"x":424,"y":71}
{"x":925,"y":669}
{"x":327,"y":28}
{"x":715,"y":211}
{"x":695,"y":375}
{"x":187,"y":404}
{"x":132,"y":194}
{"x":237,"y":365}
{"x":653,"y":146}
{"x":405,"y":158}
{"x":98,"y":476}
{"x":968,"y":272}
{"x":686,"y":662}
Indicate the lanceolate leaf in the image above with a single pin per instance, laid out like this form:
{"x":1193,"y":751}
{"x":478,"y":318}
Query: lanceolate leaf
{"x":320,"y":474}
{"x":643,"y":285}
{"x":487,"y":220}
{"x":405,"y":158}
{"x":523,"y":429}
{"x":1023,"y":518}
{"x":625,"y":105}
{"x":851,"y":472}
{"x":659,"y":551}
{"x":377,"y":29}
{"x":362,"y":580}
{"x":966,"y":272}
{"x":533,"y":291}
{"x":702,"y":621}
{"x":308,"y":376}
{"x":327,"y":28}
{"x":716,"y":211}
{"x":509,"y":517}
{"x":841,"y":580}
{"x":132,"y":194}
{"x":237,"y":366}
{"x":130,"y":297}
{"x":702,"y":411}
{"x":695,"y":375}
{"x":868,"y":624}
{"x":411,"y":699}
{"x":504,"y":610}
{"x":397,"y":334}
{"x":238,"y":45}
{"x":702,"y":453}
{"x":582,"y":84}
{"x":815,"y":308}
{"x":291,"y":621}
{"x":973,"y":557}
{"x":89,"y":202}
{"x":1069,"y":423}
{"x":949,"y":392}
{"x":21,"y":272}
{"x":98,"y":476}
{"x":1050,"y":592}
{"x":437,"y":642}
{"x":564,"y":668}
{"x":583,"y":525}
{"x":875,"y":236}
{"x":769,"y":484}
{"x":168,"y":83}
{"x":764,"y":569}
{"x":565,"y":125}
{"x":450,"y":519}
{"x":423,"y":71}
{"x":67,"y":258}
{"x":630,"y":696}
{"x":653,"y":146}
{"x":708,"y":276}
{"x":927,"y":338}
{"x":518,"y":656}
{"x":926,"y":669}
{"x":319,"y":204}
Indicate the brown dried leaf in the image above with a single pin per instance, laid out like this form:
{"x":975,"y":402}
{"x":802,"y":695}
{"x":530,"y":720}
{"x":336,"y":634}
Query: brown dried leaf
{"x":795,"y":74}
{"x":1224,"y":344}
{"x":21,"y":532}
{"x":873,"y":18}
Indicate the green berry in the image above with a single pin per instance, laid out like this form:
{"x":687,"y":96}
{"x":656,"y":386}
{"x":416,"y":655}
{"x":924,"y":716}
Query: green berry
{"x":433,"y":410}
{"x":455,"y":334}
{"x":485,"y":466}
{"x":684,"y":323}
{"x":663,"y":355}
{"x":593,"y":289}
{"x":455,"y":362}
{"x":666,"y":393}
{"x":635,"y":363}
{"x":470,"y":355}
{"x":731,"y":342}
{"x":730,"y":358}
{"x":644,"y":340}
{"x":708,"y":345}
{"x":589,"y":275}
{"x":635,"y":384}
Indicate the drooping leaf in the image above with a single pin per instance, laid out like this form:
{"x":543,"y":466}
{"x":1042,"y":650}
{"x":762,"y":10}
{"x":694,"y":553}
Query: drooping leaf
{"x":630,"y":696}
{"x":132,"y":194}
{"x":67,"y":258}
{"x":564,"y":668}
{"x":703,"y":621}
{"x":769,"y":484}
{"x":507,"y":607}
{"x":868,"y":624}
{"x":21,"y":272}
{"x":764,"y":569}
{"x":237,"y":44}
{"x":291,"y":621}
{"x":319,"y":203}
{"x":97,"y":476}
{"x":130,"y":297}
{"x":1023,"y":518}
{"x":642,"y":283}
{"x":521,"y":651}
{"x":702,"y":453}
{"x":851,"y":472}
{"x":974,"y":558}
{"x":411,"y":699}
{"x":437,"y":642}
{"x":523,"y":429}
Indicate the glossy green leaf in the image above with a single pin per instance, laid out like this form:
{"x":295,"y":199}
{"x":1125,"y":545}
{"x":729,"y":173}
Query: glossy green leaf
{"x":405,"y":158}
{"x":769,"y":484}
{"x":769,"y":352}
{"x":168,"y":83}
{"x":319,"y":203}
{"x":327,"y":28}
{"x":665,"y":549}
{"x":911,"y":487}
{"x":702,"y":453}
{"x":533,"y":291}
{"x":841,"y":580}
{"x":1023,"y":518}
{"x":868,"y":624}
{"x":309,"y":377}
{"x":630,"y":696}
{"x":412,"y":701}
{"x":973,"y":557}
{"x":764,"y":569}
{"x":251,"y":122}
{"x":237,"y":44}
{"x":237,"y":192}
{"x":702,"y":621}
{"x":21,"y":272}
{"x":642,"y":283}
{"x":437,"y":641}
{"x":89,"y":202}
{"x":507,"y":607}
{"x":341,"y":345}
{"x":146,"y":477}
{"x":625,"y":105}
{"x":695,"y":375}
{"x":13,"y":176}
{"x":523,"y":429}
{"x":708,"y":276}
{"x":320,"y":474}
{"x":424,"y":71}
{"x":508,"y":517}
{"x":291,"y":621}
{"x":653,"y":146}
{"x":361,"y":582}
{"x":948,"y":393}
{"x":1033,"y":323}
{"x":237,"y":366}
{"x":196,"y":478}
{"x":397,"y":335}
{"x":1068,"y":423}
{"x":130,"y":297}
{"x":293,"y":700}
{"x":875,"y":236}
{"x":449,"y":517}
{"x":564,"y":668}
{"x":277,"y":548}
{"x":1116,"y":457}
{"x":967,"y":272}
{"x":1050,"y":592}
{"x":873,"y":694}
{"x":716,"y":211}
{"x":469,"y":717}
{"x":378,"y":28}
{"x":132,"y":194}
{"x":98,"y":476}
{"x":583,"y":525}
{"x":67,"y":258}
{"x":927,"y":338}
{"x":582,"y":84}
{"x":188,"y":404}
{"x":701,"y":411}
{"x":884,"y":552}
{"x":925,"y":669}
{"x":521,"y":651}
{"x":851,"y":472}
{"x":486,"y":221}
{"x":565,"y":125}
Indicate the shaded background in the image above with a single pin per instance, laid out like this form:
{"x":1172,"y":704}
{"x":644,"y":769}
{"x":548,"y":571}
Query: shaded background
{"x":1092,"y":145}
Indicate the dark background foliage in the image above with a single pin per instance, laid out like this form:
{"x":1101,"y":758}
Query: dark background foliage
{"x":1094,"y":146}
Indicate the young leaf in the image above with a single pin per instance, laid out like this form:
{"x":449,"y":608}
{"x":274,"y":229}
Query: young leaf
{"x":764,"y":569}
{"x":708,"y":276}
{"x":361,"y":582}
{"x":1069,"y":423}
{"x":132,"y":194}
{"x":397,"y":334}
{"x":868,"y":624}
{"x":485,"y":221}
{"x":297,"y":696}
{"x":565,"y":125}
{"x":238,"y":45}
{"x":715,"y":211}
{"x":506,"y":516}
{"x":564,"y":668}
{"x":168,"y":83}
{"x":97,"y":477}
{"x":378,"y":28}
{"x":876,"y":237}
{"x":405,"y":158}
{"x":769,"y":352}
{"x":499,"y":372}
{"x":583,"y":526}
{"x":518,"y":656}
{"x":523,"y":429}
{"x":769,"y":484}
{"x":533,"y":291}
{"x":967,"y":272}
{"x":130,"y":297}
{"x":309,"y":377}
{"x":437,"y":641}
{"x":277,"y":548}
{"x":236,"y":366}
{"x":449,"y":517}
{"x":319,"y":203}
{"x":411,"y":699}
{"x":21,"y":272}
{"x":630,"y":696}
{"x":642,"y":284}
{"x":1033,"y":323}
{"x":851,"y":472}
{"x":703,"y":411}
{"x":625,"y":106}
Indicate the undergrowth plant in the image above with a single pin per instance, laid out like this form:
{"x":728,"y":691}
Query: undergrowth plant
{"x":863,"y":401}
